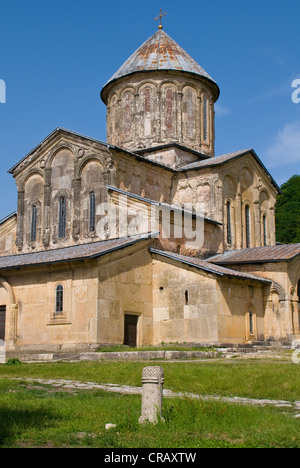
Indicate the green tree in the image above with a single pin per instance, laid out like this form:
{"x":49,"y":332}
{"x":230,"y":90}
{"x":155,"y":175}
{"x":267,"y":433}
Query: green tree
{"x":288,"y":212}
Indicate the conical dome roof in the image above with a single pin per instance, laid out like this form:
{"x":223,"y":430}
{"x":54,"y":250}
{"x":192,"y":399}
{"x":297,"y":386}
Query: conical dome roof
{"x":160,"y":52}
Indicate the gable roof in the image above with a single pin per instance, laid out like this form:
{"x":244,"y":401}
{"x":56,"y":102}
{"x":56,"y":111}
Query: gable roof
{"x":225,"y":158}
{"x":197,"y":165}
{"x":66,"y":132}
{"x":12,"y":215}
{"x":70,"y":254}
{"x":208,"y":267}
{"x":272,"y":254}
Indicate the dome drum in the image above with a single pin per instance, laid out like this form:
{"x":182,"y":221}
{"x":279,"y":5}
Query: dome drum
{"x":160,"y":96}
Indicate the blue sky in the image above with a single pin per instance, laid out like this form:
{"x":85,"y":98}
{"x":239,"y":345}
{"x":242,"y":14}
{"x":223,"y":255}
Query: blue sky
{"x":55,"y":56}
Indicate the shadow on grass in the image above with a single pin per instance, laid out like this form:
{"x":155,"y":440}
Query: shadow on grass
{"x":15,"y":423}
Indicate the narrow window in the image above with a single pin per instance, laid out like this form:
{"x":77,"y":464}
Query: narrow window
{"x":62,"y":218}
{"x":265,"y":229}
{"x":92,"y":212}
{"x":33,"y":224}
{"x":229,"y":229}
{"x":186,"y":297}
{"x":298,"y":291}
{"x":248,"y":236}
{"x":205,"y":119}
{"x":59,"y":300}
{"x":251,"y":328}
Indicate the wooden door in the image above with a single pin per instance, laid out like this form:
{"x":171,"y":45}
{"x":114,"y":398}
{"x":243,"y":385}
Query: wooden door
{"x":2,"y":322}
{"x":130,"y":332}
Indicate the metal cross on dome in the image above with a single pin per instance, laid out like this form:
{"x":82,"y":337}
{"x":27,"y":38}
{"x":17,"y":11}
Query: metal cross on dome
{"x":161,"y":15}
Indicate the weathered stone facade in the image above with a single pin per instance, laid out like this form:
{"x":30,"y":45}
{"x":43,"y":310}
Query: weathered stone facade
{"x":160,"y":96}
{"x":82,"y":263}
{"x":159,"y":109}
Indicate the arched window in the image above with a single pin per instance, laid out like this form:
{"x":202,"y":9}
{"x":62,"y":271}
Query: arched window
{"x":298,"y":291}
{"x":59,"y":300}
{"x":92,"y":212}
{"x":229,"y":227}
{"x":205,"y":119}
{"x":251,"y":326}
{"x":248,"y":227}
{"x":264,"y":223}
{"x":62,"y":218}
{"x":33,"y":224}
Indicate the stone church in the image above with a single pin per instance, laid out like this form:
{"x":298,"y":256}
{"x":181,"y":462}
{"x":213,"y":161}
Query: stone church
{"x":82,"y":262}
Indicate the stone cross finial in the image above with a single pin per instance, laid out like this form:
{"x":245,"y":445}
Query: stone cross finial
{"x":152,"y":396}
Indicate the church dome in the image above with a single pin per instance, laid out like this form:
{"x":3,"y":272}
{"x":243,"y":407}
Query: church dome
{"x":161,"y":96}
{"x":160,"y":52}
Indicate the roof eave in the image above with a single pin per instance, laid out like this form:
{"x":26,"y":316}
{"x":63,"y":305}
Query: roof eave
{"x":222,"y":163}
{"x":103,"y":92}
{"x":208,"y":270}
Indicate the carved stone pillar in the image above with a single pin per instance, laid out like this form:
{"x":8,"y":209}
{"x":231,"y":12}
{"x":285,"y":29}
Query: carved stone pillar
{"x":179,"y":117}
{"x":211,"y":120}
{"x":47,"y":205}
{"x":158,"y":117}
{"x":76,"y":184}
{"x":239,"y":221}
{"x":20,"y":220}
{"x":152,"y":397}
{"x":257,"y":224}
{"x":198,"y":121}
{"x":272,"y":226}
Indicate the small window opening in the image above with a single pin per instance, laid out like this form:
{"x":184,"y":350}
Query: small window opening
{"x":248,"y":235}
{"x":33,"y":224}
{"x":62,"y":218}
{"x":265,"y":229}
{"x":59,"y":300}
{"x":92,"y":212}
{"x":251,"y":328}
{"x":186,"y":294}
{"x":205,"y":119}
{"x":229,"y":231}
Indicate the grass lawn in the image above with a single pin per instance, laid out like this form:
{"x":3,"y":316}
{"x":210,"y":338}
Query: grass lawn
{"x":35,"y":416}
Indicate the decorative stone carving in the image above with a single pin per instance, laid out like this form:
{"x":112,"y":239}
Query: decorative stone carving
{"x":152,"y":397}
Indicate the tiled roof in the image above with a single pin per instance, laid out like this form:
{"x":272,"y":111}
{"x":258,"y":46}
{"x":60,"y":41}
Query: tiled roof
{"x":68,"y":254}
{"x":215,"y":161}
{"x":160,"y":52}
{"x":276,"y":253}
{"x":209,"y":267}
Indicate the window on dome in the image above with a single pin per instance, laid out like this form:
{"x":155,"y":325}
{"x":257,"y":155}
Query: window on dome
{"x":205,"y":120}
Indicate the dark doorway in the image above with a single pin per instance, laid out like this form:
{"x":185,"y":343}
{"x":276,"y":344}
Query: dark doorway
{"x":2,"y":322}
{"x":130,"y":332}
